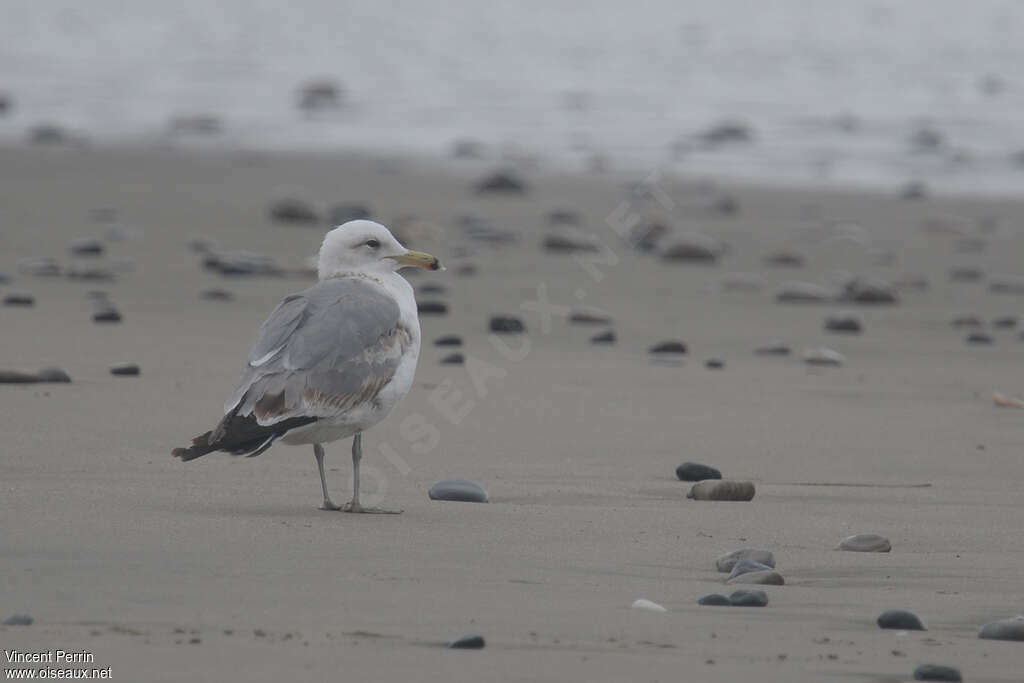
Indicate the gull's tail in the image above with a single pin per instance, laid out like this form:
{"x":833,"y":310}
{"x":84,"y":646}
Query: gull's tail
{"x":239,"y":435}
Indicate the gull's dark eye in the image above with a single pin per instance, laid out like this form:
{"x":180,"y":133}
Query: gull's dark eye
{"x":372,"y":244}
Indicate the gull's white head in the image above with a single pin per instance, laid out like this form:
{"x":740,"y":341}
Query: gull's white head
{"x":367,"y":247}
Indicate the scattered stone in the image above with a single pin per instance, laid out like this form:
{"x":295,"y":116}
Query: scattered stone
{"x":448,"y":340}
{"x":564,"y":217}
{"x":19,"y":300}
{"x":460,"y":490}
{"x":241,"y":263}
{"x":432,"y":307}
{"x":588,"y":315}
{"x":293,"y":211}
{"x":474,"y":642}
{"x":6,"y":103}
{"x":1004,"y":629}
{"x":874,"y":292}
{"x":4,"y":279}
{"x":726,"y":562}
{"x":693,"y":471}
{"x":18,"y":620}
{"x":824,"y":356}
{"x":1007,"y":284}
{"x":676,"y":347}
{"x":797,"y":292}
{"x":319,"y":95}
{"x":86,"y":247}
{"x":606,"y":337}
{"x":722,"y":489}
{"x":343,"y":213}
{"x":216,"y":294}
{"x":648,"y":605}
{"x":748,"y":597}
{"x":936,"y":672}
{"x":1007,"y":322}
{"x":726,"y":132}
{"x":48,"y":134}
{"x":432,"y":288}
{"x":966,"y":274}
{"x":844,"y":323}
{"x":980,"y":338}
{"x":17,"y":377}
{"x":107,"y":314}
{"x":53,"y":375}
{"x":785,"y":259}
{"x":901,"y":620}
{"x":568,"y":239}
{"x":745,"y":567}
{"x":454,"y":359}
{"x":714,"y":364}
{"x":715,"y":600}
{"x":39,"y":267}
{"x":766,"y":577}
{"x":501,"y":182}
{"x":726,"y":205}
{"x":865,"y":543}
{"x":505,"y":324}
{"x":126,"y":370}
{"x":90,"y":274}
{"x":914,"y":190}
{"x":775,"y":348}
{"x":646,"y":236}
{"x":692,"y":248}
{"x":480,"y":230}
{"x":966,"y":321}
{"x":465,"y":270}
{"x":926,"y":140}
{"x":467,"y":149}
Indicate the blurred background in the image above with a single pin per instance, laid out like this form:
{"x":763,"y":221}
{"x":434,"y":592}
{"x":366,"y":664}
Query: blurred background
{"x":791,"y":91}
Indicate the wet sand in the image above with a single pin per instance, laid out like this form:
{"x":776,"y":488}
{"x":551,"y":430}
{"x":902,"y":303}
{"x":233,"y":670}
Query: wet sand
{"x":114,"y":547}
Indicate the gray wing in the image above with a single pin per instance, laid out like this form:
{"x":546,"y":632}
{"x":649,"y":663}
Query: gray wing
{"x":322,"y":352}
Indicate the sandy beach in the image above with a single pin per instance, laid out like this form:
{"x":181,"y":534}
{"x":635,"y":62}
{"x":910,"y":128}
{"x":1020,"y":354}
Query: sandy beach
{"x":224,"y":569}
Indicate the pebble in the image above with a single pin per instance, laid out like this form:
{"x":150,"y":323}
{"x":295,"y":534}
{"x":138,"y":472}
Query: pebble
{"x":589,"y":315}
{"x":39,"y":267}
{"x":844,"y":324}
{"x":714,"y":364}
{"x":90,"y":274}
{"x":126,"y":370}
{"x":900,"y":619}
{"x":432,"y":307}
{"x":564,"y":217}
{"x":767,"y":577}
{"x":568,"y":239}
{"x":726,"y":562}
{"x":502,"y":182}
{"x":747,"y":566}
{"x":606,"y":337}
{"x":505,"y":324}
{"x":722,"y":489}
{"x":459,"y":490}
{"x":645,"y":236}
{"x":785,"y":259}
{"x":823,"y":356}
{"x":914,"y":190}
{"x":1006,"y":322}
{"x":454,"y":359}
{"x":240,"y":263}
{"x":773,"y":349}
{"x":17,"y":377}
{"x":865,"y":543}
{"x":48,"y":134}
{"x":319,"y":95}
{"x":448,"y":340}
{"x":866,"y":291}
{"x":18,"y":620}
{"x":715,"y":600}
{"x":1007,"y":284}
{"x":474,"y":642}
{"x":726,"y":132}
{"x":216,"y":295}
{"x":293,"y":211}
{"x":648,"y":605}
{"x":343,"y":213}
{"x":86,"y":247}
{"x":19,"y":300}
{"x":797,"y":292}
{"x":965,"y":274}
{"x":1004,"y":629}
{"x":52,"y":374}
{"x":693,"y":471}
{"x":480,"y":229}
{"x":937,"y":672}
{"x":465,"y":270}
{"x":980,"y":338}
{"x":432,"y":288}
{"x":962,"y":321}
{"x":676,"y":347}
{"x":692,"y":248}
{"x":467,"y":149}
{"x":107,"y":314}
{"x":748,"y":597}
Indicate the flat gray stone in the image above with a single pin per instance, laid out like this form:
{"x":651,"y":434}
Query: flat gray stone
{"x":606,"y":337}
{"x":715,"y":600}
{"x":1004,"y":629}
{"x":797,"y":292}
{"x":722,"y":489}
{"x":824,"y":356}
{"x":51,"y":374}
{"x":900,"y":619}
{"x":937,"y":672}
{"x":459,"y":490}
{"x":18,"y":620}
{"x":776,"y":348}
{"x":126,"y":370}
{"x":454,"y":359}
{"x":746,"y":566}
{"x":471,"y":642}
{"x":589,"y":315}
{"x":694,"y":471}
{"x":766,"y":577}
{"x":726,"y":562}
{"x":865,"y":543}
{"x":748,"y":597}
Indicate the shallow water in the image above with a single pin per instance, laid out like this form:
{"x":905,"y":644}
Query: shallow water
{"x":833,"y":92}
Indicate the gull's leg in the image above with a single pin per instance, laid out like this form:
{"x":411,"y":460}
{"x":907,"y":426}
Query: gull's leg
{"x":354,"y":506}
{"x":318,"y":453}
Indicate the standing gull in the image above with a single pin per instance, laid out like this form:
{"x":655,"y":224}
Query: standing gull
{"x":329,"y":362}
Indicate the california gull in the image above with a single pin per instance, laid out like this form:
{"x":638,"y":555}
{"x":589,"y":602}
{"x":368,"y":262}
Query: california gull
{"x":329,"y":362}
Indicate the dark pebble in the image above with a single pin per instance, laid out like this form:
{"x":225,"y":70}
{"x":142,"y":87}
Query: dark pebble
{"x":4,"y":279}
{"x":18,"y":620}
{"x":126,"y":369}
{"x":714,"y":364}
{"x":1004,"y":629}
{"x":606,"y":337}
{"x":668,"y":347}
{"x":55,"y":375}
{"x":504,"y":324}
{"x":459,"y":490}
{"x":726,"y":562}
{"x":844,"y":324}
{"x":465,"y":270}
{"x":745,"y":567}
{"x":90,"y":274}
{"x":432,"y":288}
{"x":432,"y":307}
{"x":474,"y":642}
{"x":693,"y":471}
{"x":1007,"y":284}
{"x":914,"y":190}
{"x":901,"y":620}
{"x":86,"y":247}
{"x":936,"y":672}
{"x":293,"y":211}
{"x":1007,"y":322}
{"x":768,"y":577}
{"x":773,"y":349}
{"x":48,"y":134}
{"x":343,"y":213}
{"x":17,"y":377}
{"x":448,"y":340}
{"x":747,"y":597}
{"x":966,"y":321}
{"x":107,"y":315}
{"x":19,"y":300}
{"x":965,"y":274}
{"x":564,"y":217}
{"x":216,"y":295}
{"x":873,"y":292}
{"x":979,"y":338}
{"x":454,"y":359}
{"x":503,"y":182}
{"x":570,"y":242}
{"x":785,"y":259}
{"x":715,"y":600}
